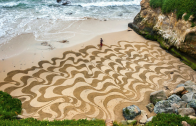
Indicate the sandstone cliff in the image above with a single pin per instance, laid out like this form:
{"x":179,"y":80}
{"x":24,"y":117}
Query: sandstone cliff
{"x":177,"y":36}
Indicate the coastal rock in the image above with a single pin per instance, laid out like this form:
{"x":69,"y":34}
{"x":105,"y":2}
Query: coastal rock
{"x":164,"y":106}
{"x":189,"y":83}
{"x":131,"y":112}
{"x":169,"y":106}
{"x":182,"y":104}
{"x":143,"y":117}
{"x":190,"y":88}
{"x":175,"y":107}
{"x":157,"y":96}
{"x":192,"y":117}
{"x":184,"y":92}
{"x":180,"y":85}
{"x":150,"y":107}
{"x":184,"y":123}
{"x":177,"y":36}
{"x":187,"y":97}
{"x":174,"y":98}
{"x":192,"y":103}
{"x":108,"y":122}
{"x":178,"y":90}
{"x":186,"y":111}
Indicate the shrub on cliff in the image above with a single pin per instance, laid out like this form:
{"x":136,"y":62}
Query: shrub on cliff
{"x":178,"y":6}
{"x":164,"y":119}
{"x":9,"y":106}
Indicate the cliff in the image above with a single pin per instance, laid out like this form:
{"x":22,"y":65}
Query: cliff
{"x":176,"y":35}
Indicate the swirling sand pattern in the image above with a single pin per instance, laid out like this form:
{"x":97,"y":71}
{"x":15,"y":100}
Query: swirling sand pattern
{"x":94,"y":82}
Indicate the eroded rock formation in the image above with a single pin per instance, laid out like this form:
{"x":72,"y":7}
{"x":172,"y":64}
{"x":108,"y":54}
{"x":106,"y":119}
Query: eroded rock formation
{"x":178,"y":36}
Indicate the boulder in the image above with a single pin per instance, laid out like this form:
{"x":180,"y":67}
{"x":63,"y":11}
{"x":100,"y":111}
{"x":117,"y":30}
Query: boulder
{"x":108,"y":122}
{"x":189,"y":83}
{"x":192,"y":117}
{"x":150,"y":107}
{"x":143,"y":117}
{"x":184,"y":92}
{"x":174,"y":98}
{"x":186,"y":111}
{"x":177,"y":105}
{"x":189,"y":88}
{"x":178,"y":90}
{"x":131,"y":112}
{"x":132,"y":122}
{"x":182,"y":104}
{"x":164,"y":106}
{"x":184,"y":123}
{"x":192,"y":103}
{"x":180,"y":85}
{"x":187,"y":97}
{"x":157,"y":96}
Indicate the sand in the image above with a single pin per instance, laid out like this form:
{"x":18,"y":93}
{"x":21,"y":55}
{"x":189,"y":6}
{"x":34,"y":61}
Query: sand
{"x":79,"y":79}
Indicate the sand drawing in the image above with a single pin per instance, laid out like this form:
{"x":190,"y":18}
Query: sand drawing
{"x":94,"y":82}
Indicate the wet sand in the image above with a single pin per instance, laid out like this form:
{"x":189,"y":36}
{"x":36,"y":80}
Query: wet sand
{"x":86,"y":81}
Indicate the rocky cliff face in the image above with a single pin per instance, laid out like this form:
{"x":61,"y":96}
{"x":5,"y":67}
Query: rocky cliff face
{"x":178,"y":36}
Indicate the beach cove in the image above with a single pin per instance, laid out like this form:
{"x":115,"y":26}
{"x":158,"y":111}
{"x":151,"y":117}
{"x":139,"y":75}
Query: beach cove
{"x":86,"y":81}
{"x":52,"y":60}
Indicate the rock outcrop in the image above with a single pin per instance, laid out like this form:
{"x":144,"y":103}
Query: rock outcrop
{"x":177,"y":103}
{"x":157,"y":96}
{"x":131,"y":112}
{"x":177,"y":36}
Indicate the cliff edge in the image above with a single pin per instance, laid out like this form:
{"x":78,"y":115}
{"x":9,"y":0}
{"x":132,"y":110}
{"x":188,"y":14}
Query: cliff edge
{"x":178,"y":36}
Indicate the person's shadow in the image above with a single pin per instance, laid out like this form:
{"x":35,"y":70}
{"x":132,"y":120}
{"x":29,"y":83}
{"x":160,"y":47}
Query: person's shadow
{"x":100,"y":47}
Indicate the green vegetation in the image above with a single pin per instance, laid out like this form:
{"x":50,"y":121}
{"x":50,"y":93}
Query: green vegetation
{"x":35,"y":122}
{"x":9,"y":107}
{"x":127,"y":111}
{"x":185,"y":59}
{"x":164,"y":119}
{"x":178,"y":6}
{"x":193,"y":24}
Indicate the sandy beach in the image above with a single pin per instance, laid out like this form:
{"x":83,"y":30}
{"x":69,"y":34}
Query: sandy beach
{"x":76,"y":79}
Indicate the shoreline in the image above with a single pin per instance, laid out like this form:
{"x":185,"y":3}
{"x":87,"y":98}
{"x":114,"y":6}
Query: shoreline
{"x":89,"y":82}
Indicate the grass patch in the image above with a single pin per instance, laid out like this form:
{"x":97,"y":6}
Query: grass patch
{"x":193,"y":24}
{"x":178,"y":6}
{"x":35,"y":122}
{"x":9,"y":107}
{"x":165,"y":119}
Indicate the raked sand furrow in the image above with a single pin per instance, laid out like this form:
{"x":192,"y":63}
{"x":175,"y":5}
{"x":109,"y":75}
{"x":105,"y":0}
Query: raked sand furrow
{"x":95,"y":82}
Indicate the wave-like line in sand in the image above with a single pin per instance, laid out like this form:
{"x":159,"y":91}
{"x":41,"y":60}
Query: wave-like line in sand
{"x":94,"y":82}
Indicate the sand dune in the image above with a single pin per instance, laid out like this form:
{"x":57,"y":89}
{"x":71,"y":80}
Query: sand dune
{"x":95,"y":82}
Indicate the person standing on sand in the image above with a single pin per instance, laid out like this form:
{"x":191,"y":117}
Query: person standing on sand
{"x":101,"y":42}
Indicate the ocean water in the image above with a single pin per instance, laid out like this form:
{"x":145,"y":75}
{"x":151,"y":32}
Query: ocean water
{"x":44,"y":16}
